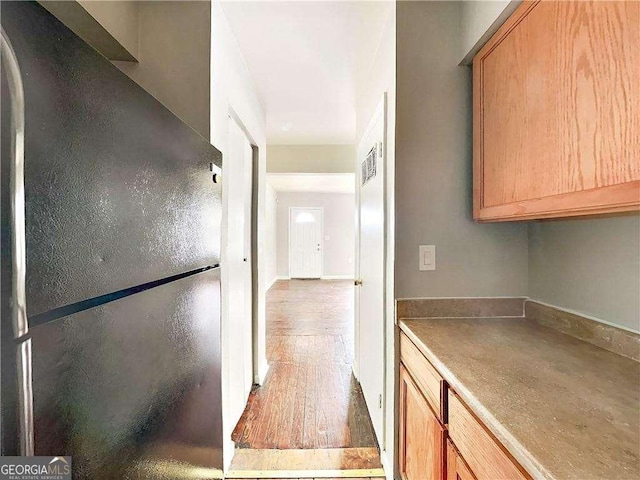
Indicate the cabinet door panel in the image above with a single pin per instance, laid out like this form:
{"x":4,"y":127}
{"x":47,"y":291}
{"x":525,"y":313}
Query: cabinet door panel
{"x":421,"y":435}
{"x":457,"y":469}
{"x":557,"y":112}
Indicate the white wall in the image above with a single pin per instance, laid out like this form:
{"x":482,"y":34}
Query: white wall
{"x":377,"y":75}
{"x":232,"y":90}
{"x":310,"y":158}
{"x":339,"y":245}
{"x":271,"y":236}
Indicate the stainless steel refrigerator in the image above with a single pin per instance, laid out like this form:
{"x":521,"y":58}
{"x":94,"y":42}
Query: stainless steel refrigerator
{"x":111,"y":351}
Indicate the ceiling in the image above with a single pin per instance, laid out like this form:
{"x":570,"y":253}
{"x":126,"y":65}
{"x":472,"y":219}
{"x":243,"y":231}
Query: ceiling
{"x":304,"y":58}
{"x":312,"y":182}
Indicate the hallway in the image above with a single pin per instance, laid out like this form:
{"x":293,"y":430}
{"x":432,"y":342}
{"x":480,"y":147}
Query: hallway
{"x":310,"y":399}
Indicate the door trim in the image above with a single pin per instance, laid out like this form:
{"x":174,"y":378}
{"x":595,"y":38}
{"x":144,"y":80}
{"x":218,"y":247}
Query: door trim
{"x":387,"y":347}
{"x":232,"y":116}
{"x":291,"y":209}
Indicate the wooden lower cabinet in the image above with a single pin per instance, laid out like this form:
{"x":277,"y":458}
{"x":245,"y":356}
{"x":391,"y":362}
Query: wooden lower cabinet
{"x":457,"y":468}
{"x":444,"y":440}
{"x":482,"y":453}
{"x":422,"y":437}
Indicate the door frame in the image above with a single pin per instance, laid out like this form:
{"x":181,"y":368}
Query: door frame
{"x":232,"y":116}
{"x":379,"y":112}
{"x":255,"y":284}
{"x":291,"y":209}
{"x":255,"y":198}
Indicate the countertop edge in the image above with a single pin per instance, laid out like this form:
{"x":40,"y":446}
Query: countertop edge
{"x":513,"y":446}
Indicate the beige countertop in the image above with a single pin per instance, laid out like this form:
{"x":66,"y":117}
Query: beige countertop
{"x":565,"y":409}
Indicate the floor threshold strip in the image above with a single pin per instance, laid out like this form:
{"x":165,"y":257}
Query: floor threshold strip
{"x":359,"y":462}
{"x":353,"y":473}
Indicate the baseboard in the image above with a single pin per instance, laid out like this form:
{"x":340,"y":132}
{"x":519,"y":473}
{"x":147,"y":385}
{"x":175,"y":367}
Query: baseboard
{"x":273,"y":280}
{"x":387,"y":465}
{"x":262,"y":373}
{"x":228,"y":450}
{"x":323,"y":277}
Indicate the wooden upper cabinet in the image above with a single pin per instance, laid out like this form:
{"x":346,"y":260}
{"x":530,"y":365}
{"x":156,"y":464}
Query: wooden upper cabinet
{"x":557,"y":112}
{"x":421,"y":448}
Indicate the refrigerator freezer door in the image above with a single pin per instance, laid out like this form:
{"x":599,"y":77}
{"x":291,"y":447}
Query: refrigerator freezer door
{"x":118,"y":189}
{"x":133,"y":384}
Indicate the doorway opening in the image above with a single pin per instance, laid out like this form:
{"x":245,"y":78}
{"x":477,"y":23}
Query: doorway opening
{"x":309,"y":417}
{"x":320,"y":411}
{"x":239,"y":272}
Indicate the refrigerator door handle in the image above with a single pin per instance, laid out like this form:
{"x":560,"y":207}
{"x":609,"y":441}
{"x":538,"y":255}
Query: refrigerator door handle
{"x":19,"y":247}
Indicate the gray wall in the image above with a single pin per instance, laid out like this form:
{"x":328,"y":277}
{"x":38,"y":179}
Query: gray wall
{"x":311,"y":158}
{"x":174,"y":53}
{"x":591,"y":266}
{"x":119,"y":18}
{"x":171,"y":42}
{"x":339,"y":215}
{"x":433,"y":168}
{"x":480,"y":20}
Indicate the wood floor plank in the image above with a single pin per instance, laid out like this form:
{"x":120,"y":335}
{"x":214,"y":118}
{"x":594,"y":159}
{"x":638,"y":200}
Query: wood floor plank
{"x":310,"y":398}
{"x":311,"y":435}
{"x":298,"y":417}
{"x":286,"y":419}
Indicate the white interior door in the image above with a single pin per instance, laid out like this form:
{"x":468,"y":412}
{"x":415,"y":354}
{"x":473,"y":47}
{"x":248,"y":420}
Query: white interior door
{"x":305,"y":242}
{"x":239,"y":166}
{"x":370,"y":345}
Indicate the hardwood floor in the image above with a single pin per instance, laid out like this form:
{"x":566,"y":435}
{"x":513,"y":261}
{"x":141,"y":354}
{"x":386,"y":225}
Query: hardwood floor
{"x":310,"y":399}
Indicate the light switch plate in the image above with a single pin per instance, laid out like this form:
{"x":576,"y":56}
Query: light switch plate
{"x":427,"y":257}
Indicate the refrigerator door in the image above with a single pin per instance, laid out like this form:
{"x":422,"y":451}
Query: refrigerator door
{"x":132,"y":388}
{"x":119,"y":191}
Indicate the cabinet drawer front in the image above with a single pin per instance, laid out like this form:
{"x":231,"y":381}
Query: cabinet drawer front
{"x":482,"y":453}
{"x":426,"y":377}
